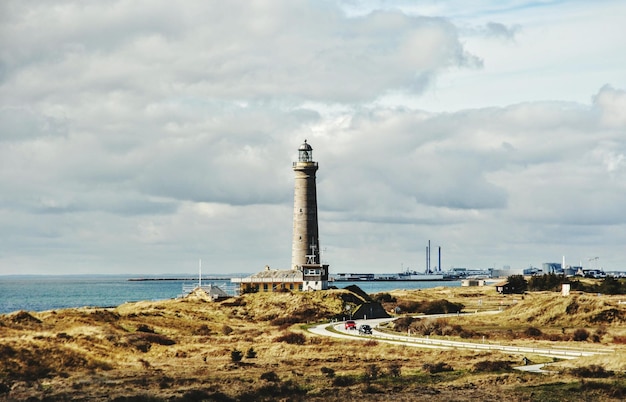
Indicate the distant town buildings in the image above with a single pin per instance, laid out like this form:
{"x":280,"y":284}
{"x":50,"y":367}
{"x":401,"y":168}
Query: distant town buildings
{"x":557,"y":268}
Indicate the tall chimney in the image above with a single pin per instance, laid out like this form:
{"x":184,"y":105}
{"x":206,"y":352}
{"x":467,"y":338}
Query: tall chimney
{"x":429,"y":270}
{"x":439,"y":267}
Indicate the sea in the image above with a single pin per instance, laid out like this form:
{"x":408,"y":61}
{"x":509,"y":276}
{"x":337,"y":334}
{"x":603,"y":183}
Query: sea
{"x":47,"y":292}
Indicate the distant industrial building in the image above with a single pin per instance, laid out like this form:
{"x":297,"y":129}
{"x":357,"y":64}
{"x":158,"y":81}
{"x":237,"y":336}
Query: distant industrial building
{"x":553,"y":268}
{"x":532,"y":271}
{"x":505,"y":272}
{"x":471,"y":273}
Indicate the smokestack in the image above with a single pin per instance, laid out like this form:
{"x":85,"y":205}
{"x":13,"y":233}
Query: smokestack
{"x":429,"y":271}
{"x":426,"y":270}
{"x":439,"y":266}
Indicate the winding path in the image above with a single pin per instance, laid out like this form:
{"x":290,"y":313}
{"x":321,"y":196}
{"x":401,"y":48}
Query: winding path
{"x":337,"y":330}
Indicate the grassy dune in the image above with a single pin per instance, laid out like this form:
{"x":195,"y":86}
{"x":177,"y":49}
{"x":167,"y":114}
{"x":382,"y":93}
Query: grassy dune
{"x":186,"y":349}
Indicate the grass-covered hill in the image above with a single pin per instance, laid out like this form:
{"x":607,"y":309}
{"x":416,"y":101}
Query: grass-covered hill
{"x":578,"y":309}
{"x":88,"y":347}
{"x":256,"y":347}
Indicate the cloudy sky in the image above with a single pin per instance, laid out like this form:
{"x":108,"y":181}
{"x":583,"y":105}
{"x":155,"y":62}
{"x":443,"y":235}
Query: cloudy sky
{"x":140,"y":136}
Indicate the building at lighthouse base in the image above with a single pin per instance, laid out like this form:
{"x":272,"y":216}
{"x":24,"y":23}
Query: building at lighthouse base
{"x":304,"y":278}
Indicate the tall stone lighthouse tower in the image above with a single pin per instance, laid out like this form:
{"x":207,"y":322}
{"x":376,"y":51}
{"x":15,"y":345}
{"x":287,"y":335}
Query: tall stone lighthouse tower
{"x":305,"y":249}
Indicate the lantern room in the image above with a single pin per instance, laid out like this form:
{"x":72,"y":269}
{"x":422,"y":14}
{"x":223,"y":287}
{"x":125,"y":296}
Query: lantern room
{"x":305,"y":153}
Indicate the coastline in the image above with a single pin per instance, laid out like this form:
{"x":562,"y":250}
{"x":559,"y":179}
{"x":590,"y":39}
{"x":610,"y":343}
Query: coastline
{"x":44,"y":293}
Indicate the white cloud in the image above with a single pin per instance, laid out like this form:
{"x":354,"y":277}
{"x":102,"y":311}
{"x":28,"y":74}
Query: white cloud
{"x":138,"y":135}
{"x":611,"y":105}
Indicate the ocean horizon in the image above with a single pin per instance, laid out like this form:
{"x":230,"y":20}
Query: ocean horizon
{"x":53,"y":292}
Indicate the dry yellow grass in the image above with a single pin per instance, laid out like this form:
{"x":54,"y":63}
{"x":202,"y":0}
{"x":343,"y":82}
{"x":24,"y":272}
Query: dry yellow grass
{"x":181,"y":350}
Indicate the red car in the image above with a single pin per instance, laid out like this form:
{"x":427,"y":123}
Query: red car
{"x":350,"y":324}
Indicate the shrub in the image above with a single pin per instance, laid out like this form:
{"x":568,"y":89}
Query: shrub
{"x":203,"y":330}
{"x":612,"y":286}
{"x":372,"y":389}
{"x":592,"y":371}
{"x":287,"y":390}
{"x":193,"y":395}
{"x":285,"y":321}
{"x":143,"y":341}
{"x":402,"y":324}
{"x":226,"y":330}
{"x":238,"y":302}
{"x":236,"y":355}
{"x":425,"y":326}
{"x":343,"y":381}
{"x":580,"y":335}
{"x":328,"y":372}
{"x":284,"y":326}
{"x":609,"y":315}
{"x":533,"y":332}
{"x":437,"y":367}
{"x":159,"y":339}
{"x":549,"y":281}
{"x":451,"y":330}
{"x":467,"y":333}
{"x":383,"y":298}
{"x":619,"y":339}
{"x":431,"y":326}
{"x":145,"y":328}
{"x":270,"y":376}
{"x":299,"y":316}
{"x":251,"y":353}
{"x":293,"y":338}
{"x":490,"y":365}
{"x":370,"y":343}
{"x":440,"y":307}
{"x":371,"y":372}
{"x":409,"y":306}
{"x":394,"y":369}
{"x":555,"y":337}
{"x":601,"y":331}
{"x":7,"y":351}
{"x":166,"y":382}
{"x":517,"y":283}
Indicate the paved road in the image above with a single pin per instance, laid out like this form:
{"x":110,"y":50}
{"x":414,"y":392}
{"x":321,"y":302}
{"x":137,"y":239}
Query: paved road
{"x":533,"y":368}
{"x":339,"y":331}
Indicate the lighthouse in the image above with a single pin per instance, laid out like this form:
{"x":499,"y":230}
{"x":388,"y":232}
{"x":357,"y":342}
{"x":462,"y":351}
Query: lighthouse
{"x":305,"y":249}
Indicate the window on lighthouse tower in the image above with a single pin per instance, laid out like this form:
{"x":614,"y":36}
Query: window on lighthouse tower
{"x":305,"y":156}
{"x":305,"y":153}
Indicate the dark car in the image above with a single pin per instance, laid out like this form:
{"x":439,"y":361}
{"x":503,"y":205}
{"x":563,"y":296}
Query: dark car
{"x":350,"y":324}
{"x":365,"y":329}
